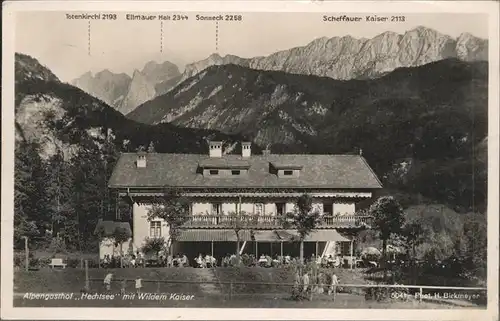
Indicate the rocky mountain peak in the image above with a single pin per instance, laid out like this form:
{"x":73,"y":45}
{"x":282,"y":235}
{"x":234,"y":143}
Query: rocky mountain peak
{"x":159,"y":72}
{"x":139,"y":91}
{"x":470,"y":48}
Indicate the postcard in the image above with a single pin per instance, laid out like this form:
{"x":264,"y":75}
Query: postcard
{"x":250,"y":160}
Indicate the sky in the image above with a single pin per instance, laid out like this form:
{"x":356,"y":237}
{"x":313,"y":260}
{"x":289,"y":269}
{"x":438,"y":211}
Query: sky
{"x":123,"y":45}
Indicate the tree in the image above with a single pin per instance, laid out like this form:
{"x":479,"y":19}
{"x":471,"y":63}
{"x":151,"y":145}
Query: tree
{"x":388,"y":219}
{"x":153,"y":245}
{"x":414,"y":235}
{"x":172,"y":207}
{"x":238,"y":221}
{"x":31,"y":214}
{"x":473,"y":244}
{"x":121,"y":235}
{"x":151,"y":148}
{"x":59,"y":184}
{"x":303,"y":219}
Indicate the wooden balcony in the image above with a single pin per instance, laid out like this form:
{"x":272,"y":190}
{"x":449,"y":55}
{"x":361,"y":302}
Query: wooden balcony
{"x":271,"y":221}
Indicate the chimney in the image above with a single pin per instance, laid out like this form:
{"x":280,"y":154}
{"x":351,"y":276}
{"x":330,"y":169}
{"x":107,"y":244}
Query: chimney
{"x":246,"y":150}
{"x":141,"y":159}
{"x":215,"y":149}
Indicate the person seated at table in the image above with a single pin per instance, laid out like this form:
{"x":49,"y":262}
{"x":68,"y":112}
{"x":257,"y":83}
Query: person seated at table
{"x":208,"y":260}
{"x":184,"y":260}
{"x":132,"y":261}
{"x":276,"y":260}
{"x":269,"y":261}
{"x":170,"y":260}
{"x":106,"y":261}
{"x":287,"y":259}
{"x":176,"y":260}
{"x":211,"y":260}
{"x":200,"y":262}
{"x":262,"y":260}
{"x":324,"y":261}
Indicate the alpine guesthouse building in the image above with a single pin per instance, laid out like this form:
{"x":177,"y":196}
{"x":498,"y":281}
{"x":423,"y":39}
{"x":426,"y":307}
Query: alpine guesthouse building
{"x":259,"y":188}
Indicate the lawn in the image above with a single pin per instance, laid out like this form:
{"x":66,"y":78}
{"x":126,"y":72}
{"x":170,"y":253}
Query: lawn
{"x":215,"y":294}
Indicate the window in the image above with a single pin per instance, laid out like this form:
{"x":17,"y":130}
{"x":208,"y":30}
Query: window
{"x":155,"y":229}
{"x":259,"y":209}
{"x":328,"y":208}
{"x":214,"y":172}
{"x":288,"y":173}
{"x":235,"y":172}
{"x":345,"y":248}
{"x":280,"y":208}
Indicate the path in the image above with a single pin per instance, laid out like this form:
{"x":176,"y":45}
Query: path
{"x":208,"y":275}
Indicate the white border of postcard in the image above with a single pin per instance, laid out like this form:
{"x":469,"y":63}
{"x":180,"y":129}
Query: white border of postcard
{"x":10,"y":8}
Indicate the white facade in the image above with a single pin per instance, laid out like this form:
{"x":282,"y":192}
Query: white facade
{"x":143,"y":229}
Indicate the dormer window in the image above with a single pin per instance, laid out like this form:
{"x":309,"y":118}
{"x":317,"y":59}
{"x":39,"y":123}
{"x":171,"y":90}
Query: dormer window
{"x":223,"y":167}
{"x":285,"y":169}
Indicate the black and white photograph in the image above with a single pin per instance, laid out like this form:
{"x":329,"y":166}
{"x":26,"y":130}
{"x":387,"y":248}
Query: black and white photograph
{"x":224,"y":158}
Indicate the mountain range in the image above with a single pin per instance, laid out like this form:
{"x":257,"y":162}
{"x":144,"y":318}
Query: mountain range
{"x":340,"y":58}
{"x":345,"y":58}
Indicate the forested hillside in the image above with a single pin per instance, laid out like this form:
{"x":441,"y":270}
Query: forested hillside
{"x":67,"y":143}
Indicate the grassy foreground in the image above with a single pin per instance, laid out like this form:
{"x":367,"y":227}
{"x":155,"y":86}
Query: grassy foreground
{"x":212,"y":292}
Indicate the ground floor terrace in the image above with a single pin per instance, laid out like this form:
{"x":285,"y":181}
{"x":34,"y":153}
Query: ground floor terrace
{"x":222,"y":243}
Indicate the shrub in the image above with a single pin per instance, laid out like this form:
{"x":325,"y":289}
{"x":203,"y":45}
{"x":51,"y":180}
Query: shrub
{"x":19,"y":259}
{"x":385,"y":294}
{"x":246,"y":259}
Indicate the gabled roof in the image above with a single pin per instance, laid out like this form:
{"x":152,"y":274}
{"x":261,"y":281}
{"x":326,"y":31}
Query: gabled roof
{"x":181,"y":170}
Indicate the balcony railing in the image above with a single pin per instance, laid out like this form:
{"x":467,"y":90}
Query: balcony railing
{"x":271,"y":221}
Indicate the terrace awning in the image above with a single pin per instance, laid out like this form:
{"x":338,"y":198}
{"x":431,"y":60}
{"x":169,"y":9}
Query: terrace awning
{"x":209,"y":235}
{"x":199,"y":235}
{"x":314,"y":236}
{"x":266,"y":236}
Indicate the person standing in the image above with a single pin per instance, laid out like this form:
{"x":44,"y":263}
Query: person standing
{"x":333,"y":285}
{"x":305,"y":283}
{"x":107,"y":281}
{"x":296,"y":284}
{"x":320,"y":285}
{"x":124,"y":286}
{"x":138,"y":284}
